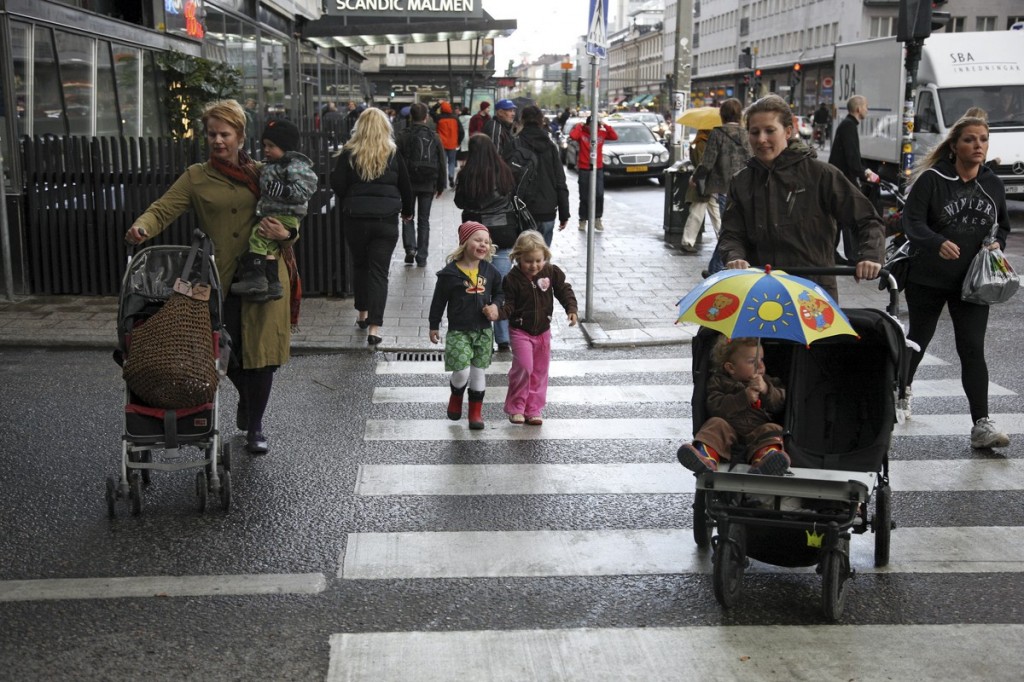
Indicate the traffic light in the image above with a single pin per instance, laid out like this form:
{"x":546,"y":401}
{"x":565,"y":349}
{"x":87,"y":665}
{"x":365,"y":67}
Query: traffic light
{"x":746,"y":61}
{"x":579,"y":86}
{"x":746,"y":79}
{"x":565,"y":81}
{"x":796,"y":73}
{"x":917,"y":19}
{"x":939,"y":19}
{"x":757,"y":79}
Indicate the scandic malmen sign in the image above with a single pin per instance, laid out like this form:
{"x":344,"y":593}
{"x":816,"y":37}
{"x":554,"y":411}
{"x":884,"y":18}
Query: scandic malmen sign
{"x":400,"y":9}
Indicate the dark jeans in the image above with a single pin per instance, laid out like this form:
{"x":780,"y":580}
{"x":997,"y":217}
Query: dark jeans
{"x":451,"y":155}
{"x":970,"y":321}
{"x":584,"y":181}
{"x":371,"y":242}
{"x":416,"y":237}
{"x":716,"y":264}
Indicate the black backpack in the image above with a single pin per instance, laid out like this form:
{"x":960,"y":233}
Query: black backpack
{"x":421,"y":155}
{"x":525,"y":167}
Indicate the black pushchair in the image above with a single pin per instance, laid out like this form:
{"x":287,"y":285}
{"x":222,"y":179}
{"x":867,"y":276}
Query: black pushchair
{"x":160,"y":439}
{"x":841,"y":397}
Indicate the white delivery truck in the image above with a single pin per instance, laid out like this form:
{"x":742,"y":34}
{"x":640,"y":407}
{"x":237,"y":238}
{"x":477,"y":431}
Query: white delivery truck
{"x":957,"y":71}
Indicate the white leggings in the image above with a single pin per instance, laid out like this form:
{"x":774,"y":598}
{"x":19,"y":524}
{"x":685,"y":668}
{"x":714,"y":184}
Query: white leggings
{"x":474,"y":376}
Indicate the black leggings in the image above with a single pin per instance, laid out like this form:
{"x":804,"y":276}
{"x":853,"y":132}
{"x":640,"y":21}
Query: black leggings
{"x":970,"y":321}
{"x":253,"y":385}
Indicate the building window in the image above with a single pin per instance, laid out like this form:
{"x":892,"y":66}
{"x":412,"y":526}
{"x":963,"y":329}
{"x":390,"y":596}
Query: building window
{"x":955,"y":25}
{"x":882,"y":27}
{"x":985,"y":24}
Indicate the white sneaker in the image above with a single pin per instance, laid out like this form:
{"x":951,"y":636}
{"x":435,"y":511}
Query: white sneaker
{"x":984,"y":434}
{"x":903,"y":404}
{"x":583,"y":226}
{"x":599,"y":226}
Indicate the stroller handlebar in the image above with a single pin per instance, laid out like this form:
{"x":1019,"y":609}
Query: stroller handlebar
{"x":886,"y":282}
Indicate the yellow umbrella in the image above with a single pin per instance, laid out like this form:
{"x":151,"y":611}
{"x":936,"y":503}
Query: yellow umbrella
{"x":764,"y":303}
{"x":701,"y":118}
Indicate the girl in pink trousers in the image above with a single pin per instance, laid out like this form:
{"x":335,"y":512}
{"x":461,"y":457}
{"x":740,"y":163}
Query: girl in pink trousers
{"x":531,"y":287}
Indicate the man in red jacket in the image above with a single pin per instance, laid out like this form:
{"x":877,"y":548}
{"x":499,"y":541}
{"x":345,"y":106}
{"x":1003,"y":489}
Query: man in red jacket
{"x":480,"y":118}
{"x":581,"y":133}
{"x":451,"y":132}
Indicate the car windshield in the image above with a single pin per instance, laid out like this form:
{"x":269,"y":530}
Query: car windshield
{"x":633,"y":135}
{"x":1004,"y":104}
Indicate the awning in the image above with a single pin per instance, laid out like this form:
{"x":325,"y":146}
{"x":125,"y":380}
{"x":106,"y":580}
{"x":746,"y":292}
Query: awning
{"x":618,"y":100}
{"x":644,"y":99}
{"x":331,"y":31}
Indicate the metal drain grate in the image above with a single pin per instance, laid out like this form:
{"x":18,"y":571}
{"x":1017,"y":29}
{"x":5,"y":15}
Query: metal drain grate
{"x":428,"y":356}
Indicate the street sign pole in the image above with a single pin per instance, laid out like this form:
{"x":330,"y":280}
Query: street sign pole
{"x":597,"y":48}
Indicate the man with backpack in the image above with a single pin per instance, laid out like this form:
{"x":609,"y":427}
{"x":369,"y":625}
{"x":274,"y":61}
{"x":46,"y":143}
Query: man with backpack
{"x":499,"y":128}
{"x":424,"y":157}
{"x":541,"y":176}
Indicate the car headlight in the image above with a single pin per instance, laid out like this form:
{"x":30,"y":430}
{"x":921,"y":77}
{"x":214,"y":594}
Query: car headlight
{"x":609,"y":159}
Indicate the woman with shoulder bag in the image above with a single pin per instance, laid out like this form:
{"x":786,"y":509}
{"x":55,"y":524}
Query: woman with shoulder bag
{"x":484,"y":193}
{"x":372,"y":185}
{"x":699,"y":197}
{"x":955,"y":201}
{"x":223,"y":192}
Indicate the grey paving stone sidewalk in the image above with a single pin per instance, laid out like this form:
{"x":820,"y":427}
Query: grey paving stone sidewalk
{"x":637,"y":281}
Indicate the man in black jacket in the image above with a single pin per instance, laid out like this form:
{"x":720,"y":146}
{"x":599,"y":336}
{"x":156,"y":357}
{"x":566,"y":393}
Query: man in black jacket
{"x":549,"y":194}
{"x":845,"y":156}
{"x":425,"y":158}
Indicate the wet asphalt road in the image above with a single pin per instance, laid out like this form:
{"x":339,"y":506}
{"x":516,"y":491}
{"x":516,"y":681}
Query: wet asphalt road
{"x":294,"y":510}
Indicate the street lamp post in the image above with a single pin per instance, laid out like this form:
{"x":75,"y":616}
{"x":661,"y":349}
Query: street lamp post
{"x":681,"y":71}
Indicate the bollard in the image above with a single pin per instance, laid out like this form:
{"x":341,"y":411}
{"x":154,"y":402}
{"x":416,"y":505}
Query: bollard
{"x":677,"y":179}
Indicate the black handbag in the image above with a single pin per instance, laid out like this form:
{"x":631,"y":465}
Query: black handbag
{"x":505,"y":219}
{"x":700,"y":180}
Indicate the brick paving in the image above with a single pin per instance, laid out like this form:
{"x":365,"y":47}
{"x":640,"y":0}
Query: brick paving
{"x":637,"y":281}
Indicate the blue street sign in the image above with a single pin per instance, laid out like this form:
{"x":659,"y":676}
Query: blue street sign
{"x":597,"y":31}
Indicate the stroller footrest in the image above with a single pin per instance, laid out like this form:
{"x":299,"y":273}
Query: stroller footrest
{"x":822,"y":484}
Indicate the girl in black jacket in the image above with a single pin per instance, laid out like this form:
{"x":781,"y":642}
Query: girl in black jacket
{"x":954,"y":202}
{"x":470,"y":288}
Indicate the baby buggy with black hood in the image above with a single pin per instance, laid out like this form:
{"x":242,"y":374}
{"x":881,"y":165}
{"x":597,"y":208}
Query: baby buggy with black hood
{"x":172,"y":348}
{"x":840,"y":409}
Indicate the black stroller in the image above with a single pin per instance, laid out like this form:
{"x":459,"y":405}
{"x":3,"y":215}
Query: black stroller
{"x":156,"y":438}
{"x":840,"y":410}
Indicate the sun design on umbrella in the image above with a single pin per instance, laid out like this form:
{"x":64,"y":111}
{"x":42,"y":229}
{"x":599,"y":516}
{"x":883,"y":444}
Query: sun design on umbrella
{"x":769,"y":313}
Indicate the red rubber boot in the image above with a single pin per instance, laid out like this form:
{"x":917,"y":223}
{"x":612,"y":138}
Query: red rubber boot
{"x":455,"y":403}
{"x":476,"y":409}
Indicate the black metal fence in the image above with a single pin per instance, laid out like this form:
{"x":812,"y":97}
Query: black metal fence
{"x":82,"y":194}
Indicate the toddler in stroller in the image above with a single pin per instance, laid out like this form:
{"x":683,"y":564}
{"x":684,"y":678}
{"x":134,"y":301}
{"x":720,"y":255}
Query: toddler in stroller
{"x":743,"y":402}
{"x":157,"y":428}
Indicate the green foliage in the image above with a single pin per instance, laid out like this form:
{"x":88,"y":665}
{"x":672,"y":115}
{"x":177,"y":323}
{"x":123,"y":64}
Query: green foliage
{"x":552,"y":98}
{"x":192,"y":82}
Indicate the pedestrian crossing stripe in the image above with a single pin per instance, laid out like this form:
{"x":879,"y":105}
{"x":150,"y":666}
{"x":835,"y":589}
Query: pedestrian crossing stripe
{"x":558,"y":368}
{"x":677,"y":429}
{"x":161,"y":586}
{"x":561,"y":395}
{"x":553,"y":429}
{"x":564,"y":553}
{"x":648,"y":478}
{"x":643,"y":393}
{"x":670,"y":654}
{"x":579,"y":368}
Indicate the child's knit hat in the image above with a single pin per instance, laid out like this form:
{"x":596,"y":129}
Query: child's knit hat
{"x":467,"y":229}
{"x":283,"y":133}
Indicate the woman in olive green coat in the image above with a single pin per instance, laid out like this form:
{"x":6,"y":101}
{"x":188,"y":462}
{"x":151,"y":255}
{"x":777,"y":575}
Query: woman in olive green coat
{"x":223,"y":193}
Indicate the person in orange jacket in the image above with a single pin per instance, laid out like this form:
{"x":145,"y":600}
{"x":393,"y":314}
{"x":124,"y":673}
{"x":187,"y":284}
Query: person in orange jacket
{"x":581,"y":133}
{"x":451,"y":132}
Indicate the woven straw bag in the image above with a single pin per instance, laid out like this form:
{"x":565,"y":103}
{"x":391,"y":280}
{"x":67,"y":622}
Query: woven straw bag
{"x":171,"y":362}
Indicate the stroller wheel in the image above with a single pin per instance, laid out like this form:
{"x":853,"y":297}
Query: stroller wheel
{"x":835,"y":571}
{"x":201,"y":490}
{"x":702,"y":525}
{"x":135,"y":492}
{"x":882,"y":524}
{"x":111,"y":497}
{"x":225,"y":488}
{"x":730,"y":561}
{"x":225,"y":456}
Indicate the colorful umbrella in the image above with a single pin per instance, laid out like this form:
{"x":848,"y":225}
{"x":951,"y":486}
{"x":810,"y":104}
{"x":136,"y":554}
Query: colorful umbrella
{"x":765,"y":304}
{"x":701,"y":118}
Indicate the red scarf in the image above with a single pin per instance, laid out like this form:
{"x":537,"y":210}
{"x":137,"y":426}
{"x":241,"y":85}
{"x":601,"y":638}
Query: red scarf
{"x":245,"y":172}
